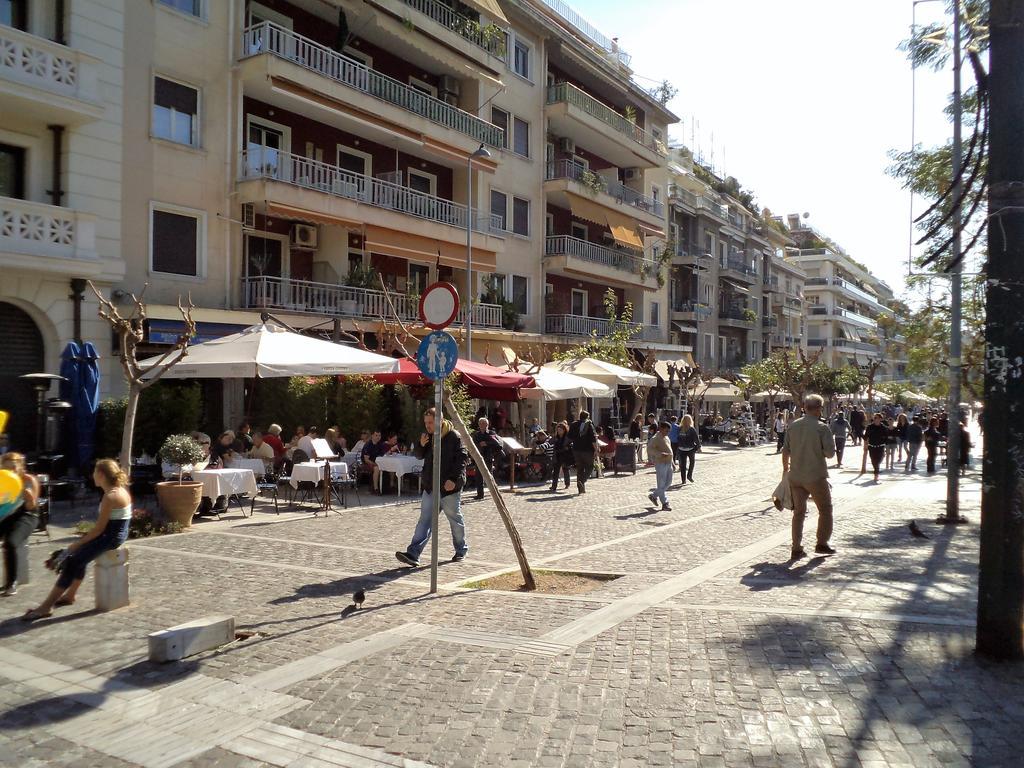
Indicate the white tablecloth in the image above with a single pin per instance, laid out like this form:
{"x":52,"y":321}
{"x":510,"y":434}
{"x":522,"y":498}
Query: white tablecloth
{"x":399,"y":464}
{"x":225,"y":482}
{"x":256,"y":465}
{"x":310,"y":472}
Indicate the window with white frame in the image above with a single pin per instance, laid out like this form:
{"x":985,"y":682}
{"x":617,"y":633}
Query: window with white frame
{"x":521,"y":216}
{"x":580,"y":231}
{"x":521,"y":58}
{"x":520,"y":137}
{"x":175,"y":111}
{"x":499,"y":117}
{"x":709,"y":347}
{"x":499,"y":207}
{"x":655,"y":314}
{"x":188,"y":7}
{"x":520,"y":294}
{"x":176,"y":239}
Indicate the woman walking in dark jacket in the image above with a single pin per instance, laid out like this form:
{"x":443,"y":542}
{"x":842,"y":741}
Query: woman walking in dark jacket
{"x":689,"y":444}
{"x":875,"y":437}
{"x":932,"y":436}
{"x":563,"y":458}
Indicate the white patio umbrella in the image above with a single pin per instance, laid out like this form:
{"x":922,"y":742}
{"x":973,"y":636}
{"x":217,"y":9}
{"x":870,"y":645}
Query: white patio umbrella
{"x":722,"y":391}
{"x":605,"y":373}
{"x":267,"y":350}
{"x":763,"y":397}
{"x":552,"y":384}
{"x":915,"y":397}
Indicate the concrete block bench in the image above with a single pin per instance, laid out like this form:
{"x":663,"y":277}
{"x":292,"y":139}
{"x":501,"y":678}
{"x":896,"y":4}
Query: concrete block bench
{"x":111,"y":577}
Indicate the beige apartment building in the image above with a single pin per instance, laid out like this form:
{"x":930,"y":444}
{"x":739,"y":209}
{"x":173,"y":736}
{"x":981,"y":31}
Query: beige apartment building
{"x":62,"y":72}
{"x":279,"y":156}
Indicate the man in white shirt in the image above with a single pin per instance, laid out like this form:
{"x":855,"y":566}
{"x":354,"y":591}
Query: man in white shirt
{"x":306,"y":442}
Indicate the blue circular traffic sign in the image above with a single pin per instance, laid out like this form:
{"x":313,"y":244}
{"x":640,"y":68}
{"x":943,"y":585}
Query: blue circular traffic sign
{"x":437,"y":355}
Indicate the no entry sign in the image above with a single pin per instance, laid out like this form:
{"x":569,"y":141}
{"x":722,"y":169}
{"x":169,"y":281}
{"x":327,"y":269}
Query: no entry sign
{"x":439,"y":305}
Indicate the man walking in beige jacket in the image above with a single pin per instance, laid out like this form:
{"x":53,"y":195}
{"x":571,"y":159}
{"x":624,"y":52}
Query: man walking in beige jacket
{"x":805,"y":453}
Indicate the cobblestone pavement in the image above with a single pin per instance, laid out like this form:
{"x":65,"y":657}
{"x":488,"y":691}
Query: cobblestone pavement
{"x":711,"y":649}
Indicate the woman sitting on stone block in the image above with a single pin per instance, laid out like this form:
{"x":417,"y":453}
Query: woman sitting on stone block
{"x":109,"y":532}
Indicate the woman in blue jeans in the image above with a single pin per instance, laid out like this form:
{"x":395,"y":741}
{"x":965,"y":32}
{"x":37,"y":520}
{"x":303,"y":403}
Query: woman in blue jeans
{"x":109,"y":532}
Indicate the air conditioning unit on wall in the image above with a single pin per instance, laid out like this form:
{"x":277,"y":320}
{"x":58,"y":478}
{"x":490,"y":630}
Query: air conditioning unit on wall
{"x":567,"y":145}
{"x":304,"y":236}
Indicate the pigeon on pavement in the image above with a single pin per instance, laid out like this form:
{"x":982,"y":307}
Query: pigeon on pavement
{"x":359,"y":598}
{"x":916,"y":532}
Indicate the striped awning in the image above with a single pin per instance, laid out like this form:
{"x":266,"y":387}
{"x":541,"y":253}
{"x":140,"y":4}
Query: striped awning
{"x":406,"y":245}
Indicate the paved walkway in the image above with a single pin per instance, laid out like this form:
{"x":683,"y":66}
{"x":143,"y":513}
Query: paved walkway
{"x":710,"y":649}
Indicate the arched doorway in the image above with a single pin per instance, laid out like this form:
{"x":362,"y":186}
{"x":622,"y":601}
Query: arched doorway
{"x":21,"y":351}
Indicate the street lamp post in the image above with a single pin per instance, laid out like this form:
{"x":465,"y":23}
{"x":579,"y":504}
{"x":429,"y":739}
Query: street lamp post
{"x":480,"y":152}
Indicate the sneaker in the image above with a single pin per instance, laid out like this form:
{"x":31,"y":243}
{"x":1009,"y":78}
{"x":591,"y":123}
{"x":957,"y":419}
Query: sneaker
{"x":403,"y":557}
{"x":666,"y":508}
{"x":824,"y":549}
{"x":458,"y":558}
{"x":651,"y":497}
{"x":797,"y":553}
{"x":11,"y":589}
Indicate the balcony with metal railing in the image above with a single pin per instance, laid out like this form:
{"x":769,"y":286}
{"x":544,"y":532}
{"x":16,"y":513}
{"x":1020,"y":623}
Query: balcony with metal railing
{"x":619,"y":264}
{"x":692,"y":257}
{"x":48,"y":81}
{"x":851,"y":288}
{"x":737,"y":269}
{"x":737,"y":318}
{"x":298,"y":171}
{"x":588,"y":31}
{"x":605,"y":191}
{"x":581,"y":325}
{"x":679,"y":194}
{"x":491,"y":39}
{"x":574,"y":112}
{"x":283,"y":44}
{"x":260,"y":292}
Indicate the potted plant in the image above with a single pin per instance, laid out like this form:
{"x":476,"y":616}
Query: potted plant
{"x":180,"y":500}
{"x":749,"y":315}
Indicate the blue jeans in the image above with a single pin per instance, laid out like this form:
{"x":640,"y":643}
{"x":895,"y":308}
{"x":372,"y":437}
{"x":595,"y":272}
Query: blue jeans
{"x":912,"y":451}
{"x":113,"y":536}
{"x":451,"y":505}
{"x":663,"y":475}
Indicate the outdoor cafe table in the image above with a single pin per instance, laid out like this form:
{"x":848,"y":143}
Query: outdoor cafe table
{"x":399,"y":464}
{"x":313,"y":472}
{"x":258,"y":467}
{"x":226,"y":482}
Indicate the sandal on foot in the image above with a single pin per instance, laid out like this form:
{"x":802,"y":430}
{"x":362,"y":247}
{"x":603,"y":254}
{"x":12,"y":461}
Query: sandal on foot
{"x":64,"y":601}
{"x":33,"y":614}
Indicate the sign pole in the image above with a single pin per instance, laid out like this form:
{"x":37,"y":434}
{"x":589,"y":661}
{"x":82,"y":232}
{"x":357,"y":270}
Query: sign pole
{"x":436,"y":513}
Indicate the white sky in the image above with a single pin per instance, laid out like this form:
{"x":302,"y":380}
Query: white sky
{"x":805,"y":99}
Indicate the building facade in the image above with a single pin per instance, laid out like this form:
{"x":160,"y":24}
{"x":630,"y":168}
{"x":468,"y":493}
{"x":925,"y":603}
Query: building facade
{"x":62,"y":69}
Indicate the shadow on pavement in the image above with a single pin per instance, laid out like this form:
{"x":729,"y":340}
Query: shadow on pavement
{"x":764,"y":576}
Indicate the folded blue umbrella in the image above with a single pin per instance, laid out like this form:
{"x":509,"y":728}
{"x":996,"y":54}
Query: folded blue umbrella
{"x":87,"y":403}
{"x":68,"y":392}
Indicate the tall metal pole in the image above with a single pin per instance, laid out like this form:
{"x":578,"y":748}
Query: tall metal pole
{"x":469,"y":259}
{"x":956,"y":289}
{"x":1000,"y":632}
{"x":435,"y":516}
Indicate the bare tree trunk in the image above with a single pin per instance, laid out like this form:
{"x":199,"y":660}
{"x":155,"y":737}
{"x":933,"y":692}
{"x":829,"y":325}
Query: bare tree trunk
{"x":499,"y":501}
{"x":134,"y":391}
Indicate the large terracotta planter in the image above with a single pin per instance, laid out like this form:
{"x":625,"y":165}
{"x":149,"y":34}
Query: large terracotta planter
{"x":179,"y":501}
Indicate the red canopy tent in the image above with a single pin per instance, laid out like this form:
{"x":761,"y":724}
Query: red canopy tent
{"x":485,"y":382}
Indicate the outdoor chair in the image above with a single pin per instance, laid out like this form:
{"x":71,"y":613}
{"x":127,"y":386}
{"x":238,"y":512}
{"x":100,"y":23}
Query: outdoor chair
{"x":351,"y":481}
{"x":266,"y":486}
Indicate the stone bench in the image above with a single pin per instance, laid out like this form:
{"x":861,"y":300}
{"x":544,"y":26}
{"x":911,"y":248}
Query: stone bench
{"x":176,"y":643}
{"x":111,"y":577}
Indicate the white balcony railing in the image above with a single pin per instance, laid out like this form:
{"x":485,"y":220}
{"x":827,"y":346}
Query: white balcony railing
{"x":685,"y":196}
{"x":268,"y":37}
{"x":37,"y":229}
{"x":344,"y":300}
{"x":570,"y":169}
{"x":52,"y":67}
{"x":491,"y":39}
{"x":570,"y":94}
{"x":580,"y":325}
{"x":588,"y":30}
{"x":267,"y":163}
{"x":628,"y":261}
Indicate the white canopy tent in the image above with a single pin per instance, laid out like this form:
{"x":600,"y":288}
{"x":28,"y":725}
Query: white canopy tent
{"x":266,"y":350}
{"x":602,"y":372}
{"x":553,"y":384}
{"x":763,"y":397}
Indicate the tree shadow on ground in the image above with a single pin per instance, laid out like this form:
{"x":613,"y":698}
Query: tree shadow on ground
{"x":902,"y":675}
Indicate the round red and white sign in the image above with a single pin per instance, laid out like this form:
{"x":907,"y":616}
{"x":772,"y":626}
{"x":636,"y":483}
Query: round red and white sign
{"x":439,"y":305}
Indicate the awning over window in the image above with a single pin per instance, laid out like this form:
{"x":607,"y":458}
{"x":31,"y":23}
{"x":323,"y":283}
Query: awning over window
{"x":301,"y":214}
{"x":648,"y":231}
{"x":736,"y":286}
{"x":489,"y":8}
{"x":586,"y":209}
{"x":406,"y":245}
{"x":623,"y":230}
{"x":683,"y":328}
